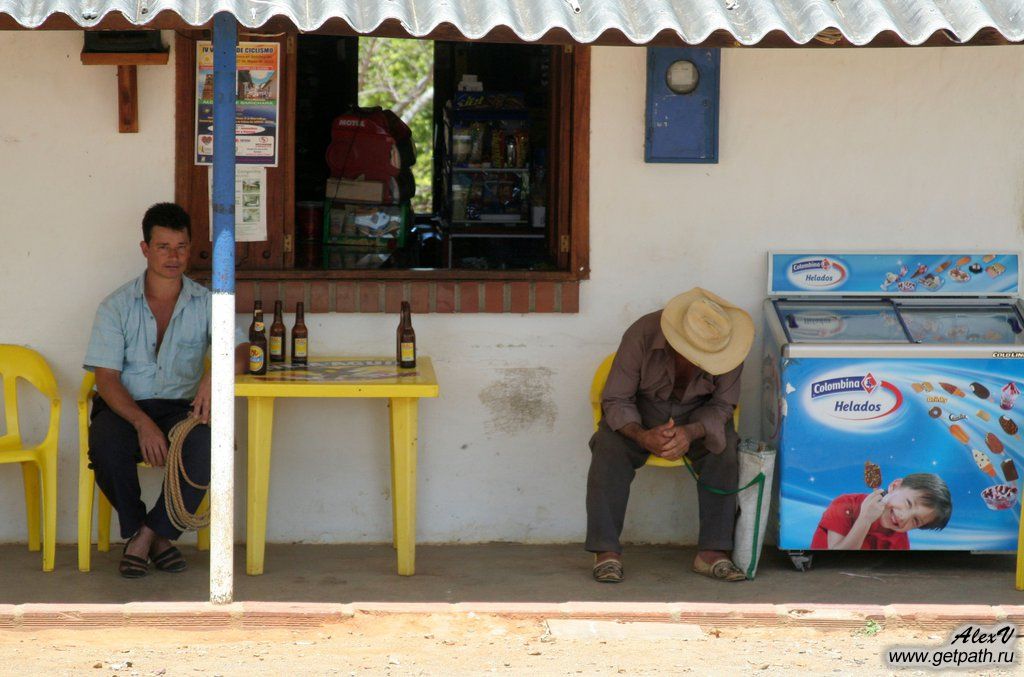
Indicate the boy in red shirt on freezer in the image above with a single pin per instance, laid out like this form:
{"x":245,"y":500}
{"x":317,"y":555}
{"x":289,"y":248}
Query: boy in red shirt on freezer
{"x":880,"y":520}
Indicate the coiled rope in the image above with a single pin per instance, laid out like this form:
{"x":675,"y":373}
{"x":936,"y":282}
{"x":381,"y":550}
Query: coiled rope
{"x":179,"y":515}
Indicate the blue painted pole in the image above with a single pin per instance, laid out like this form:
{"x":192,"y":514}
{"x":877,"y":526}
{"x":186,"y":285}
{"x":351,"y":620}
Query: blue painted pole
{"x":222,"y":464}
{"x":225,"y":42}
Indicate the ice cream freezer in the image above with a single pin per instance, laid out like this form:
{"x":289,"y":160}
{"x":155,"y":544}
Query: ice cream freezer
{"x":891,"y":389}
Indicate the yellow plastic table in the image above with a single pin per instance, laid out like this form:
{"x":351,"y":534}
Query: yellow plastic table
{"x":339,"y":377}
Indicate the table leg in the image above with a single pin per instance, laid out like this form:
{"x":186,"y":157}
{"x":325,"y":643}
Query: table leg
{"x":403,"y":490}
{"x":261,"y":428}
{"x":394,"y":503}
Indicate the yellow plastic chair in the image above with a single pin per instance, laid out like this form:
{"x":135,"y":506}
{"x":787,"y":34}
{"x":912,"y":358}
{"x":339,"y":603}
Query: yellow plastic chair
{"x":39,"y":462}
{"x":87,"y":485}
{"x":597,"y":387}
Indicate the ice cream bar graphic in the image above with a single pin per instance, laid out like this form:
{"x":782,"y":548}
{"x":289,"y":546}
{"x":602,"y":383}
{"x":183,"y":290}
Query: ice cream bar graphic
{"x":995,"y":445}
{"x":979,"y":390}
{"x":1009,"y":393}
{"x":1009,"y":470}
{"x":872,"y":475}
{"x":959,"y":433}
{"x":1008,"y":425}
{"x":983,"y":463}
{"x":951,"y":389}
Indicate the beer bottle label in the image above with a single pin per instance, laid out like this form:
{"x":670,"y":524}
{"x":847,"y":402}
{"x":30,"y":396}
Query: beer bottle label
{"x":259,"y":326}
{"x":276,"y":345}
{"x":408,"y":351}
{"x":300,"y":347}
{"x":256,"y":358}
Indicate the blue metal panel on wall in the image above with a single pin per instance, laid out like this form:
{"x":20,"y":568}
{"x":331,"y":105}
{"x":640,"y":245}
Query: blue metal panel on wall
{"x":682,"y":127}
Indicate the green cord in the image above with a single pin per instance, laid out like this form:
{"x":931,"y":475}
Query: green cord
{"x":759,"y":480}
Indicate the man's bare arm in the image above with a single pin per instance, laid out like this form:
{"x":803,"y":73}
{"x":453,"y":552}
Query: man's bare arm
{"x":152,"y":442}
{"x":203,"y":400}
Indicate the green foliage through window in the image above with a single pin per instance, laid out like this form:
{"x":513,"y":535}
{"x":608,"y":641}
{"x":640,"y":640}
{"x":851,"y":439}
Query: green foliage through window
{"x":399,"y":75}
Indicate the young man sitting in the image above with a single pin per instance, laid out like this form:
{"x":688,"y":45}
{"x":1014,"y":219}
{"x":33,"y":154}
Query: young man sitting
{"x":148,"y":347}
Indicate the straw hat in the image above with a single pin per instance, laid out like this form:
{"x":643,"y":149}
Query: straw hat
{"x":707,"y":330}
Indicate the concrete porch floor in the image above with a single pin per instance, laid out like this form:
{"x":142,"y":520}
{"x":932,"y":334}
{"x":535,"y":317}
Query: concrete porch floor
{"x":507,"y":573}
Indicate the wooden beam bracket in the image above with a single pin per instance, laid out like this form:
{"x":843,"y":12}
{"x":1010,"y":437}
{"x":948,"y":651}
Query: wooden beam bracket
{"x":127,"y":81}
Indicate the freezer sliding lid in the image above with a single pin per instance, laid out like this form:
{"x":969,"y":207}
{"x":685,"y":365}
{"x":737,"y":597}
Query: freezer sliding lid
{"x":903,"y":274}
{"x":989,"y":324}
{"x":850,"y":322}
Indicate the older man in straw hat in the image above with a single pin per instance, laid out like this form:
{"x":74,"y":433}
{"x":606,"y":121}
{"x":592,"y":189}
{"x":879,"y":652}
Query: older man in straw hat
{"x":671,"y":392}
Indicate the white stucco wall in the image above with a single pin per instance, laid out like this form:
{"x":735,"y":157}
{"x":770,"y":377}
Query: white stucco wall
{"x":819,"y":148}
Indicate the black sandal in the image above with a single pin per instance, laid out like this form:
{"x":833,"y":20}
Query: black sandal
{"x":170,"y":560}
{"x":132,"y":566}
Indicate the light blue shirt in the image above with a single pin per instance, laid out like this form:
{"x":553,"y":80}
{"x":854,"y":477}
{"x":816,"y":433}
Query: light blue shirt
{"x":124,"y":339}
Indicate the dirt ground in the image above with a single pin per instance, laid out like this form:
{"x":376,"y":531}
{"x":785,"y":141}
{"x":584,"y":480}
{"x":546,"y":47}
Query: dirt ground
{"x":446,"y":645}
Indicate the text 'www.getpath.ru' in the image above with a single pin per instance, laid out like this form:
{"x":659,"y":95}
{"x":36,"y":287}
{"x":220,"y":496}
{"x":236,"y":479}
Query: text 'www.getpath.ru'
{"x":970,"y":646}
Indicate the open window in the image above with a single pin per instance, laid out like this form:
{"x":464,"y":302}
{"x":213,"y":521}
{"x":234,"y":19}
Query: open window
{"x":498,"y":188}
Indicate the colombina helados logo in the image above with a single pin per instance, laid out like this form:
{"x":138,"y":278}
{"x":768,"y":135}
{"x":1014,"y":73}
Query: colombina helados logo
{"x":817,"y":272}
{"x":855,"y":398}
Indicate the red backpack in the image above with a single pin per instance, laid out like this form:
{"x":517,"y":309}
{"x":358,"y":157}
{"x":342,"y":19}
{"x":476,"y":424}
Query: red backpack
{"x":374,"y":145}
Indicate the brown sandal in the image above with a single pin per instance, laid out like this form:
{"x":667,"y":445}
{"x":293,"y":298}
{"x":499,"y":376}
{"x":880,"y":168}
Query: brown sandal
{"x":721,"y":570}
{"x":608,"y":571}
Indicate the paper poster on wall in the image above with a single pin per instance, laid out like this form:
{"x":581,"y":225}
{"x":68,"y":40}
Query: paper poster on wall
{"x":256,"y":105}
{"x":250,"y":203}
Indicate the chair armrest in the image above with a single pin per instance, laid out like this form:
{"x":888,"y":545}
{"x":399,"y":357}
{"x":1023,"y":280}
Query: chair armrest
{"x":86,"y":392}
{"x":53,"y":432}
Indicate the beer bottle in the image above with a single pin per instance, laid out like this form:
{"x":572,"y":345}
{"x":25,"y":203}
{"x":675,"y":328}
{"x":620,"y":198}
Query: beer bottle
{"x":300,"y":337}
{"x":257,"y":342}
{"x":406,"y":339}
{"x":277,"y":334}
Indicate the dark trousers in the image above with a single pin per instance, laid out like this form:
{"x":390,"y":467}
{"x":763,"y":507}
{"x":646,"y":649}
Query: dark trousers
{"x":613,"y":464}
{"x":114,"y":453}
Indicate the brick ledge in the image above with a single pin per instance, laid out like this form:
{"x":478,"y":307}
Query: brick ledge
{"x":386,"y":296}
{"x":837,"y":617}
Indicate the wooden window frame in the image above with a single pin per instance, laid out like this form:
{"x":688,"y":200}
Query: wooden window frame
{"x":270,"y":263}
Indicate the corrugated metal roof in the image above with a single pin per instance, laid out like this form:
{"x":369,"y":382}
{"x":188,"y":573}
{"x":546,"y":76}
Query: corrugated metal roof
{"x":859,"y":21}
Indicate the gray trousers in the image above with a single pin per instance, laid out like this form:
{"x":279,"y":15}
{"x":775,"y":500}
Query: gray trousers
{"x":613,"y":464}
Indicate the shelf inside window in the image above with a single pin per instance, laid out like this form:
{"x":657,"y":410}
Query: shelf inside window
{"x":492,"y":170}
{"x":494,"y":231}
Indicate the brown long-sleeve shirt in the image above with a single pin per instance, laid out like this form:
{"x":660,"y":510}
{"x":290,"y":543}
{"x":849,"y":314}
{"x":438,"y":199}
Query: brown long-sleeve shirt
{"x":642,"y":378}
